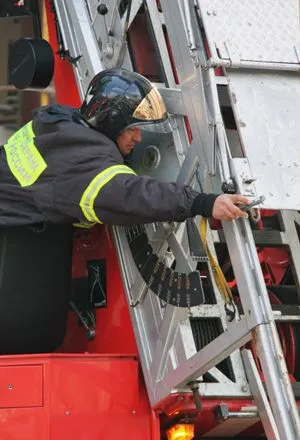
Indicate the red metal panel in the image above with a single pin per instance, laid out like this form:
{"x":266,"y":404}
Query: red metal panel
{"x":85,"y":397}
{"x":114,"y":333}
{"x":94,"y":399}
{"x":24,"y":424}
{"x":21,"y":386}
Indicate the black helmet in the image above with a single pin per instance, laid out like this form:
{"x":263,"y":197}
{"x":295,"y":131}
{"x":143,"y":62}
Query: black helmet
{"x":117,"y":99}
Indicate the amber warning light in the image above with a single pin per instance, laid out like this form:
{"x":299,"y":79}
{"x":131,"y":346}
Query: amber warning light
{"x":181,"y":432}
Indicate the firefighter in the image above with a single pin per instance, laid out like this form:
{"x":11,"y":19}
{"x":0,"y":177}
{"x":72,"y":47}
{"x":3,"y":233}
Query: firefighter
{"x":67,"y":164}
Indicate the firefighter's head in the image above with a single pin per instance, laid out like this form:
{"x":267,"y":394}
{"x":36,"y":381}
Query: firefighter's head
{"x":120,"y":104}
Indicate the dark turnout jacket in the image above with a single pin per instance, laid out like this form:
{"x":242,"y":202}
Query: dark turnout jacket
{"x":55,"y":169}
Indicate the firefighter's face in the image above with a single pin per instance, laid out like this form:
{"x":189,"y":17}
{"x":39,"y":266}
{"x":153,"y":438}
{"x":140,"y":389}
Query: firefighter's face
{"x":127,"y":139}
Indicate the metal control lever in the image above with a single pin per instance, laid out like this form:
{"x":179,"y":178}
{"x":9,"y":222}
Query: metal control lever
{"x":254,"y":203}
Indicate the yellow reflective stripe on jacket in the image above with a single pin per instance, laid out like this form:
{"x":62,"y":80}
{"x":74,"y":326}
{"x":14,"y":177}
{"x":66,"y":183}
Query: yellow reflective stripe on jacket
{"x":23,"y":158}
{"x":84,"y":225}
{"x":92,"y":191}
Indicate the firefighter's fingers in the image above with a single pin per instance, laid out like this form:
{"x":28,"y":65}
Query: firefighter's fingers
{"x":238,"y":199}
{"x":232,"y":200}
{"x":225,"y":209}
{"x":233,"y":212}
{"x":237,"y":212}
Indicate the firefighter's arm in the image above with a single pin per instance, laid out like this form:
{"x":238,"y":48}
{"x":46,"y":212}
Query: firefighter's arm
{"x":117,"y":196}
{"x":128,"y":198}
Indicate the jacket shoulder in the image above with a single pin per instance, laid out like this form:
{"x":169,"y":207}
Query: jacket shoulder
{"x":84,"y":144}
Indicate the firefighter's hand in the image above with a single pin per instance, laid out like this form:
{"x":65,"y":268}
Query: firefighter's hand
{"x":225,"y":207}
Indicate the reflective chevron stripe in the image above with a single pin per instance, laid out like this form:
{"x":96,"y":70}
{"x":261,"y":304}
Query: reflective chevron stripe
{"x":92,"y":191}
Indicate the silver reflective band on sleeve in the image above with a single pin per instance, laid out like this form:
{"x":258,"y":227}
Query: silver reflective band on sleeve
{"x":23,"y":158}
{"x":92,"y":191}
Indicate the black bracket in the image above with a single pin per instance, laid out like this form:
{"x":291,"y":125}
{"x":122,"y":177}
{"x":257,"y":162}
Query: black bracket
{"x":88,"y":294}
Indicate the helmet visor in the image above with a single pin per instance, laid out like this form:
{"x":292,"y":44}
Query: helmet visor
{"x":151,"y":108}
{"x":151,"y":114}
{"x":155,"y":126}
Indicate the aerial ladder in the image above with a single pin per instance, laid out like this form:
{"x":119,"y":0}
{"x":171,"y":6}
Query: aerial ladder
{"x":228,"y":73}
{"x":214,"y":55}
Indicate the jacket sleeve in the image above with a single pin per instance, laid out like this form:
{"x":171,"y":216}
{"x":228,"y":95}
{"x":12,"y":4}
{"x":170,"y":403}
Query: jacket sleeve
{"x":131,"y":199}
{"x":117,"y":196}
